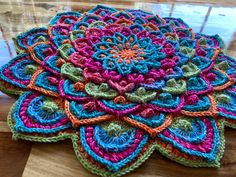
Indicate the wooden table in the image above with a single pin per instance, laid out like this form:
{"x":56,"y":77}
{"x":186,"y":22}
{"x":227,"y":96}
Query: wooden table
{"x":19,"y":158}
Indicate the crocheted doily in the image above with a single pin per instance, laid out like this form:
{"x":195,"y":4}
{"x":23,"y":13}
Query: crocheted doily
{"x":121,"y":84}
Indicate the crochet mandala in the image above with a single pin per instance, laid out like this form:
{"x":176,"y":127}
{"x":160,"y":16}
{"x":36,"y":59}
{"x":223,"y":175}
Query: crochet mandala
{"x":121,"y":84}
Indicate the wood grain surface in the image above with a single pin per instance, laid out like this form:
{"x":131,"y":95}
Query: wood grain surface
{"x":13,"y":154}
{"x":22,"y":158}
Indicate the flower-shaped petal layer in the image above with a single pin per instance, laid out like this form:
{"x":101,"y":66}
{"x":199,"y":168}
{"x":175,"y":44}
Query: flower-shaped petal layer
{"x":121,"y":84}
{"x":39,"y":118}
{"x":193,"y":142}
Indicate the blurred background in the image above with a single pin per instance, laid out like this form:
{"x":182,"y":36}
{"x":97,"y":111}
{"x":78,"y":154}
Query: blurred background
{"x":21,"y":157}
{"x":204,"y":16}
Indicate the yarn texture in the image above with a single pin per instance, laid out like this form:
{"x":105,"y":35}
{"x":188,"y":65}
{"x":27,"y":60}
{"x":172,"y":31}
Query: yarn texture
{"x":120,"y":85}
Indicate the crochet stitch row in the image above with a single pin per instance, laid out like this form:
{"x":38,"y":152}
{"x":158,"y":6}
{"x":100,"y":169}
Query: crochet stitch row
{"x":121,"y":84}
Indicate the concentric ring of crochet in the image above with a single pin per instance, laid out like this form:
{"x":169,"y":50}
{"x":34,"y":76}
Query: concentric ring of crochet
{"x":121,"y":84}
